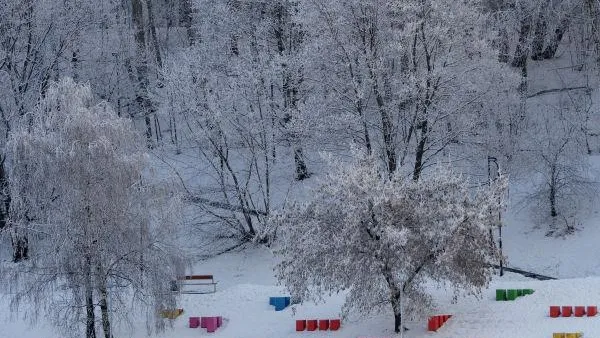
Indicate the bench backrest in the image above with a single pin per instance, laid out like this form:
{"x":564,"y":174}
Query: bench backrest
{"x":192,"y":277}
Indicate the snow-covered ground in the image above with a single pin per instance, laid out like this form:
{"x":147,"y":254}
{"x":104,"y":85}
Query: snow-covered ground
{"x":246,"y":282}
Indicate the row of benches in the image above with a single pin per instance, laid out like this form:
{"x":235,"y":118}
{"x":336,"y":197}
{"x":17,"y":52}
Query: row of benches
{"x":211,"y":324}
{"x":321,"y":324}
{"x":511,"y":294}
{"x":577,"y":311}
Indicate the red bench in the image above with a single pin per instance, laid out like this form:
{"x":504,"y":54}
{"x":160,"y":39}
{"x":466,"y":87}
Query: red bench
{"x":435,"y":322}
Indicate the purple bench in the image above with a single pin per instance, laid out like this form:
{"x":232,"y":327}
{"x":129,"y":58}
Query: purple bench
{"x":211,"y":324}
{"x":194,"y":322}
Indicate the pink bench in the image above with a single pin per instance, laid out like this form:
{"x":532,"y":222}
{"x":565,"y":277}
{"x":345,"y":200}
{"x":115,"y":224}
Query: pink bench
{"x":211,"y":324}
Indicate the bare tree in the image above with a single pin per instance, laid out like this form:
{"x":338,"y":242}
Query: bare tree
{"x":556,"y":151}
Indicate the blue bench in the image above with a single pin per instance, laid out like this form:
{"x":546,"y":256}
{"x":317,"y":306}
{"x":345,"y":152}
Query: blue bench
{"x":279,"y":303}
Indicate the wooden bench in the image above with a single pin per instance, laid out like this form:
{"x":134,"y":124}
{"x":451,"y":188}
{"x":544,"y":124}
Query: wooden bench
{"x":196,"y":280}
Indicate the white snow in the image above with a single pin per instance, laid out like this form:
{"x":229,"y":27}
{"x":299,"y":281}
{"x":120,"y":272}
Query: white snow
{"x":246,"y":282}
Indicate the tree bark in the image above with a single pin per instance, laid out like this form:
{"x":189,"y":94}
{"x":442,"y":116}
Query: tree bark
{"x":504,"y":47}
{"x":369,"y":41}
{"x":552,"y":46}
{"x":420,"y":152}
{"x":104,"y":310}
{"x":395,"y":297}
{"x":594,"y":14}
{"x":520,"y":58}
{"x":301,"y":169}
{"x":4,"y":194}
{"x":387,"y":129}
{"x":539,"y":34}
{"x":553,"y":211}
{"x":90,"y":328}
{"x":153,"y":35}
{"x":142,"y":68}
{"x":75,"y":64}
{"x":288,"y":40}
{"x":187,"y":19}
{"x":20,"y":244}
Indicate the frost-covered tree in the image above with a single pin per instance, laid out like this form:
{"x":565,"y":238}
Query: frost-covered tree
{"x":101,"y":234}
{"x":34,"y":38}
{"x":382,"y":239}
{"x":408,"y":80}
{"x":236,"y":95}
{"x":554,"y":157}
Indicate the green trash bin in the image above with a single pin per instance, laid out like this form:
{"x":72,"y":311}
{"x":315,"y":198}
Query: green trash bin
{"x":511,"y":294}
{"x":520,"y":292}
{"x":527,"y":292}
{"x":500,"y":294}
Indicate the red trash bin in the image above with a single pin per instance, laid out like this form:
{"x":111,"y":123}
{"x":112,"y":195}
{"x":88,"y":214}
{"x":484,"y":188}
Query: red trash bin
{"x":566,"y":311}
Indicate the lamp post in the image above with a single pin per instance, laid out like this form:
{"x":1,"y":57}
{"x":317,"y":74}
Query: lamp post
{"x":494,"y":160}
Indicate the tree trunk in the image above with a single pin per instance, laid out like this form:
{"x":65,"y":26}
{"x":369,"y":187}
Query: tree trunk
{"x":539,"y":34}
{"x":4,"y":195}
{"x":187,"y":20}
{"x":388,"y":136}
{"x":520,"y":58}
{"x":397,"y":322}
{"x":387,"y":127}
{"x":420,"y":151}
{"x":142,"y":68}
{"x":153,"y":35}
{"x":552,"y":46}
{"x":594,"y":14}
{"x":301,"y":170}
{"x":20,"y":244}
{"x":75,"y":64}
{"x":395,"y":297}
{"x":504,"y":46}
{"x":288,"y":41}
{"x":553,"y":211}
{"x":90,"y":329}
{"x":366,"y":136}
{"x":104,"y":310}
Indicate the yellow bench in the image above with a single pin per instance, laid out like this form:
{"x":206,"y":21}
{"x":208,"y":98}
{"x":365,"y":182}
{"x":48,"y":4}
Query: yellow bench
{"x":171,"y":314}
{"x":567,"y":335}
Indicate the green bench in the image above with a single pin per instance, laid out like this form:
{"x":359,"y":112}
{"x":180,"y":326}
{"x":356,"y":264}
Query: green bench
{"x":511,"y":294}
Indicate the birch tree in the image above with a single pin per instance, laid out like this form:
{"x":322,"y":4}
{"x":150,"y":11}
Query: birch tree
{"x":380,"y":238}
{"x":102,"y":234}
